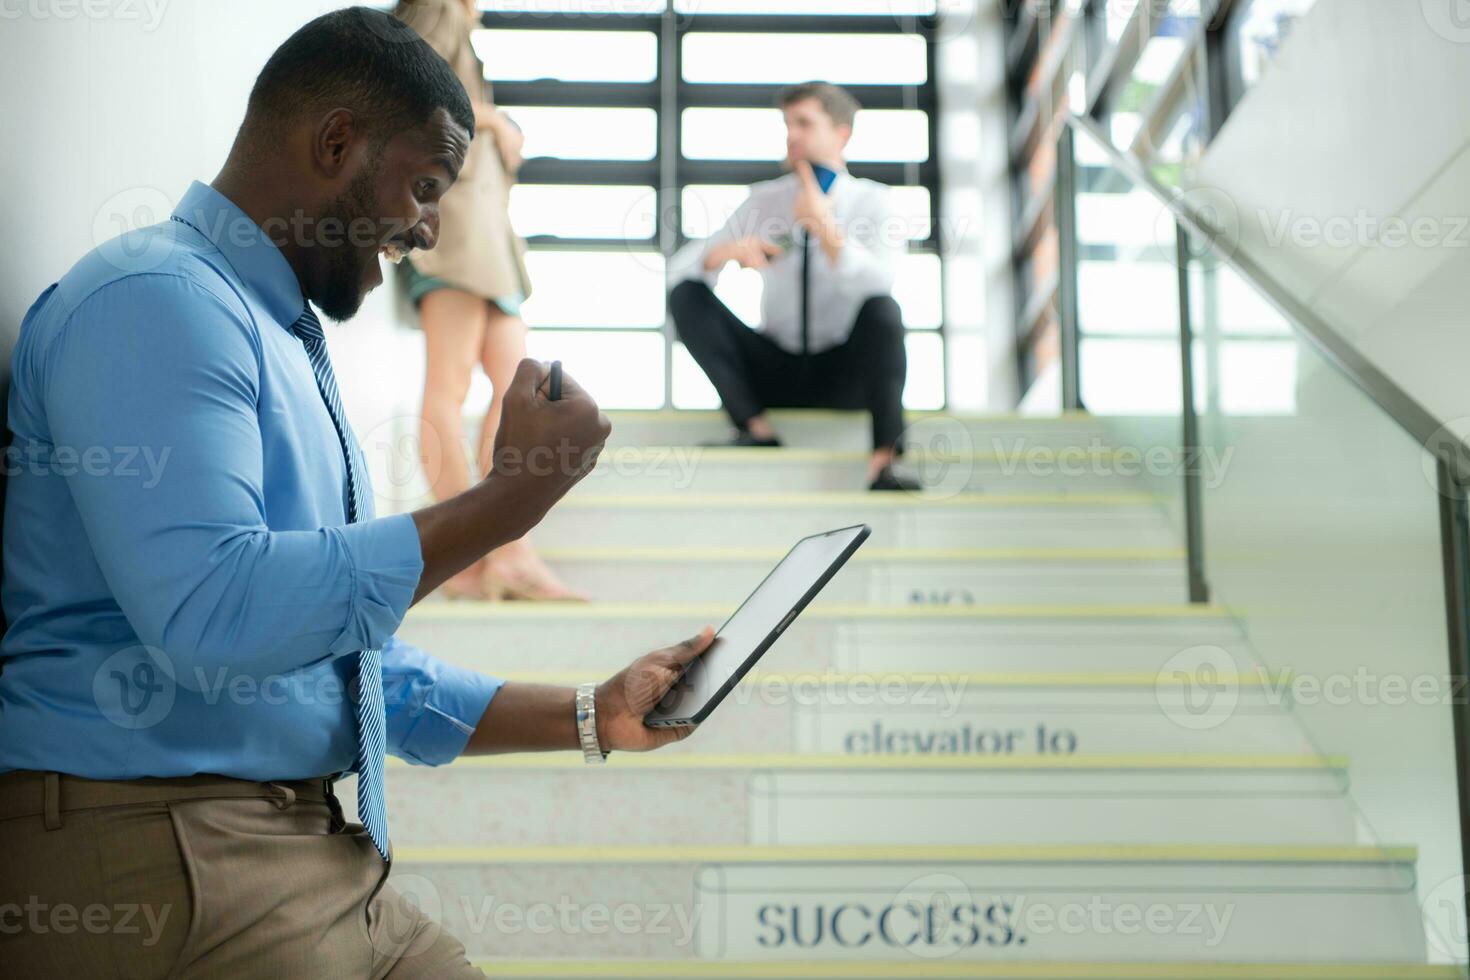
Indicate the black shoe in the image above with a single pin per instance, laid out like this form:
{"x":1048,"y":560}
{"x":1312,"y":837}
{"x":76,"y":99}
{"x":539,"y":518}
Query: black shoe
{"x":746,"y":439}
{"x":889,"y":480}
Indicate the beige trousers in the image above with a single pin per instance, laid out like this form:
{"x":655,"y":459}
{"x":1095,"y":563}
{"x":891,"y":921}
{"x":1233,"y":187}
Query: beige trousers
{"x":202,"y":876}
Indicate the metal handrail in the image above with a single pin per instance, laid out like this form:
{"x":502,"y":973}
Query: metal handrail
{"x":1451,"y":453}
{"x":1419,"y":422}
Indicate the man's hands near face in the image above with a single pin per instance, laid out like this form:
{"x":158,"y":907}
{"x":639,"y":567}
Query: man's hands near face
{"x":812,"y":209}
{"x":628,"y":695}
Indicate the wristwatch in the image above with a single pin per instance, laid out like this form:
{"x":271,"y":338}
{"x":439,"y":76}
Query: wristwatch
{"x":587,"y":724}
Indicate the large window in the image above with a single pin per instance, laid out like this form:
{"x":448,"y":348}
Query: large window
{"x":646,"y":120}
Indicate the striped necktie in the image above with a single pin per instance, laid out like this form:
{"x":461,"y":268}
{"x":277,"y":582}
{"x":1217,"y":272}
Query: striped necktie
{"x":372,"y":723}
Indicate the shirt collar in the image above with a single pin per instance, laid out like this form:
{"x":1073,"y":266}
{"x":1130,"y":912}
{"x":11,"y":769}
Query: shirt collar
{"x":840,"y":169}
{"x":261,"y":266}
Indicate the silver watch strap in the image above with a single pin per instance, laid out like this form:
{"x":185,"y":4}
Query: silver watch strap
{"x":592,"y":751}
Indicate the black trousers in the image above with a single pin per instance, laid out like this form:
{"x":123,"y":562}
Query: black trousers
{"x":752,"y":373}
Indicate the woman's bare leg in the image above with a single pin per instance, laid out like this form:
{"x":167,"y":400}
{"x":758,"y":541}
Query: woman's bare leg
{"x":454,"y":330}
{"x":515,"y":568}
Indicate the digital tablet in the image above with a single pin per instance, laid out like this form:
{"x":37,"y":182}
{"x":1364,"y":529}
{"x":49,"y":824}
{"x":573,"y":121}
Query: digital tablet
{"x":751,"y":629}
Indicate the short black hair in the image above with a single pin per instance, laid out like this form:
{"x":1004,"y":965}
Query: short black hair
{"x":836,"y":101}
{"x":361,"y":59}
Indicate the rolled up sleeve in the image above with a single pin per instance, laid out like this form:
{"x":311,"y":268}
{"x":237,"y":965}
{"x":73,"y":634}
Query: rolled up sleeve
{"x":386,"y":563}
{"x":433,"y":707}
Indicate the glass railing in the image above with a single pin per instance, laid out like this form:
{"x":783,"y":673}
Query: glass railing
{"x":1318,"y":504}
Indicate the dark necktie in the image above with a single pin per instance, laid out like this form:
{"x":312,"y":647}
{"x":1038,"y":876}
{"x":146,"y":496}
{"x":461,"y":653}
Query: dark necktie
{"x":806,"y":297}
{"x":372,"y":726}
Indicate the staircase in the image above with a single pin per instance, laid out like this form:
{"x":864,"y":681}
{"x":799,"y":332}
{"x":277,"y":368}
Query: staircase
{"x":984,"y":751}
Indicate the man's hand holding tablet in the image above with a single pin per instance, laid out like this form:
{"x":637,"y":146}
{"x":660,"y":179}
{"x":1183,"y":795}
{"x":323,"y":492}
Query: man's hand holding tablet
{"x":753,"y":628}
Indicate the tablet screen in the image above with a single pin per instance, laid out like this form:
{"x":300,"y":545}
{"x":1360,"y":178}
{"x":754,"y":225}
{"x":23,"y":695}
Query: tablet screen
{"x":753,"y":627}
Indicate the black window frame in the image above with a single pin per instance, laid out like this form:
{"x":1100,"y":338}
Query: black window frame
{"x":668,"y":94}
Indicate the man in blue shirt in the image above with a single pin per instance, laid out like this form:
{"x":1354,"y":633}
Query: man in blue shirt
{"x":202,"y":604}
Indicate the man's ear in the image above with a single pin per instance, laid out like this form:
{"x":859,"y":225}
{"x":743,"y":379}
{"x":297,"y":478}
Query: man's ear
{"x":844,"y":134}
{"x":332,"y":142}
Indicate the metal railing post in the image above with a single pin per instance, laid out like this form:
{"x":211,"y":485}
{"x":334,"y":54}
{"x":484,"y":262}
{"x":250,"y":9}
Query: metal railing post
{"x":1454,"y":529}
{"x":1194,"y":537}
{"x":1065,"y":204}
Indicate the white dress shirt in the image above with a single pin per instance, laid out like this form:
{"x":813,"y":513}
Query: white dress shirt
{"x":873,"y":241}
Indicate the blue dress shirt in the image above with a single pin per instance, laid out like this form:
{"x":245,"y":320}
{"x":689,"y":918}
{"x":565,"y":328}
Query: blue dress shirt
{"x":180,"y":578}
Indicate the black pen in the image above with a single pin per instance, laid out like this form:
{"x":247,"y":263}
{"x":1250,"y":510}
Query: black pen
{"x":553,"y":385}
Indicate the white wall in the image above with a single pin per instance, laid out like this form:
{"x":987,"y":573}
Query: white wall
{"x":1362,"y":119}
{"x":116,"y":115}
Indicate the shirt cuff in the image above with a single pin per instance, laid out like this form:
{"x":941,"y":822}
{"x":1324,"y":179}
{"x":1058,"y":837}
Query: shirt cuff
{"x":386,"y":564}
{"x":441,"y":726}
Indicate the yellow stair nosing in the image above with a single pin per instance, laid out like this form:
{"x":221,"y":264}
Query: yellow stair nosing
{"x":916,"y":763}
{"x":615,"y":854}
{"x":852,"y":498}
{"x":939,"y":968}
{"x":798,"y":454}
{"x":819,"y":414}
{"x":955,"y":680}
{"x":466,"y":609}
{"x":864,"y":555}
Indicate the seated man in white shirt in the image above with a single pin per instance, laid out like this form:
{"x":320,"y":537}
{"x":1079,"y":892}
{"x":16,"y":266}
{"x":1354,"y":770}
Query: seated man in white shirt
{"x":832,"y":335}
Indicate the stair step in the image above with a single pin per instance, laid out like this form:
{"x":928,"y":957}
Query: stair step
{"x":807,"y":800}
{"x":988,"y":903}
{"x":842,"y":430}
{"x":961,"y":520}
{"x":885,"y":576}
{"x":934,"y":969}
{"x":601,"y":638}
{"x":914,"y":716}
{"x":1007,"y":468}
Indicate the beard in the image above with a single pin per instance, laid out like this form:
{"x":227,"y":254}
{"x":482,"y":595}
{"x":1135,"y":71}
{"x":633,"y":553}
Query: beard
{"x":341,"y":286}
